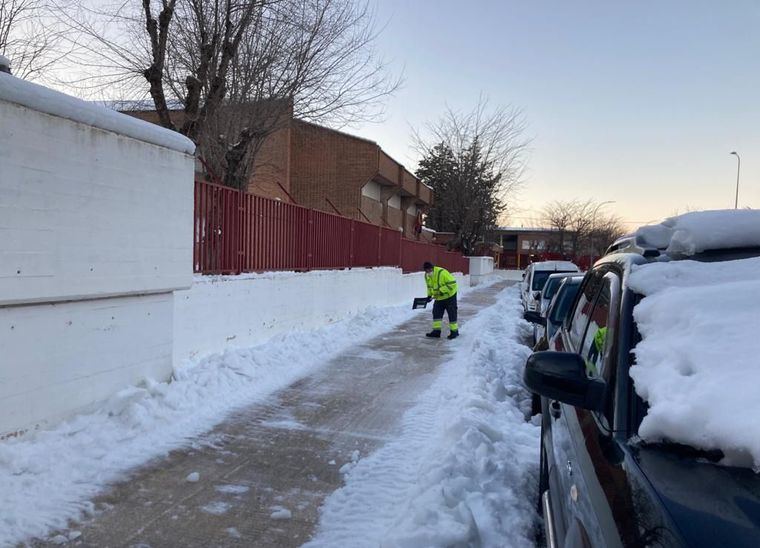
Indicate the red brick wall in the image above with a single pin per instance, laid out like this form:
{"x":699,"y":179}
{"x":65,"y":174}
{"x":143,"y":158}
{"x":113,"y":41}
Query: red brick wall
{"x":372,"y":209}
{"x":395,"y":217}
{"x":272,"y":166}
{"x":326,"y":163}
{"x":409,"y":222}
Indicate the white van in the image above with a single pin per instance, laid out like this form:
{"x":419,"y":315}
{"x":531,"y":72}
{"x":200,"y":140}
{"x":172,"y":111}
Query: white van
{"x":535,"y":277}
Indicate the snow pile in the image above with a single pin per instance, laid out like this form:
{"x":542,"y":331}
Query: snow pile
{"x":50,"y":477}
{"x":697,"y":364}
{"x":42,"y":99}
{"x":464,"y":469}
{"x":702,"y":230}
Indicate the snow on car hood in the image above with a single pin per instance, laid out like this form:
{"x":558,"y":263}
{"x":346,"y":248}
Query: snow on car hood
{"x":697,"y":363}
{"x":702,"y":230}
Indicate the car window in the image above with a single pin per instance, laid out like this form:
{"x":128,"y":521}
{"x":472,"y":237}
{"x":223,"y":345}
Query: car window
{"x":551,"y":287}
{"x":562,"y":305}
{"x":599,"y":334}
{"x":539,"y":279}
{"x":581,"y":313}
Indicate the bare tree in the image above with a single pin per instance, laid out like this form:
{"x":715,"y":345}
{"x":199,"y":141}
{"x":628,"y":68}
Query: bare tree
{"x":474,"y":161}
{"x":28,"y":37}
{"x":590,"y":231}
{"x":227,"y":73}
{"x":559,"y":216}
{"x":606,"y":229}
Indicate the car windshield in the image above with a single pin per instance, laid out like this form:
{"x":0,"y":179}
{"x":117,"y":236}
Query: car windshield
{"x":551,"y":287}
{"x":564,"y":300}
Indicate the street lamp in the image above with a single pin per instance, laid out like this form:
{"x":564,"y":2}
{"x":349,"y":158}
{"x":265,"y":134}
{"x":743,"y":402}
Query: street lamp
{"x":593,"y":225}
{"x":738,"y":167}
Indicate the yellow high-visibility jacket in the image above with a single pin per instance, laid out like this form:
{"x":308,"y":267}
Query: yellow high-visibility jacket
{"x":440,"y":284}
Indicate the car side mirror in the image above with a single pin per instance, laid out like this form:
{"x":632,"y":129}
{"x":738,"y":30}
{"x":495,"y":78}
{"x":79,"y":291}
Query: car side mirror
{"x":562,"y":376}
{"x":536,"y":295}
{"x":534,"y":317}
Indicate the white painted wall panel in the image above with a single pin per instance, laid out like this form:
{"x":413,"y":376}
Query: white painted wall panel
{"x":217,"y":313}
{"x":57,"y":359}
{"x":85,"y":212}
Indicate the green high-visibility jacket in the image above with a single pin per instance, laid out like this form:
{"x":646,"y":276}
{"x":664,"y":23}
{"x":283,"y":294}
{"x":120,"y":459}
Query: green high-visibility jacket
{"x":440,"y":284}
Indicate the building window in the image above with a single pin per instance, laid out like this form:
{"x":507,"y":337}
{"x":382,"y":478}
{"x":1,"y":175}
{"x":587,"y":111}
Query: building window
{"x":395,"y":201}
{"x":534,"y":245}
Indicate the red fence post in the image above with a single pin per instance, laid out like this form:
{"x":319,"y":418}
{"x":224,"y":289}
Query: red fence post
{"x":351,"y":246}
{"x":240,"y":200}
{"x":309,"y":251}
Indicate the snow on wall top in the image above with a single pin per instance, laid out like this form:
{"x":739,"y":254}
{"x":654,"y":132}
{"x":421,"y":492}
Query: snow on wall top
{"x":15,"y":90}
{"x":702,"y":230}
{"x":696,"y":364}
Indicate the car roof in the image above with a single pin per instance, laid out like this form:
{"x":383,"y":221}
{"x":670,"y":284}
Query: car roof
{"x":560,"y":275}
{"x":555,"y":265}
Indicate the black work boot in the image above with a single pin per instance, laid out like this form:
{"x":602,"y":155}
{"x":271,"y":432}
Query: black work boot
{"x":434,"y":334}
{"x":453,"y":335}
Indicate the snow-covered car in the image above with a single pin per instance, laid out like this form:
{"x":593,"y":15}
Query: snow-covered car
{"x":536,"y":275}
{"x":651,"y":389}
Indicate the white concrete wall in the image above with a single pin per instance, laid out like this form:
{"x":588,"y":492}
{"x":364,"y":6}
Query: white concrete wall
{"x":96,"y":217}
{"x":59,"y":358}
{"x":217,"y":313}
{"x":86,"y":212}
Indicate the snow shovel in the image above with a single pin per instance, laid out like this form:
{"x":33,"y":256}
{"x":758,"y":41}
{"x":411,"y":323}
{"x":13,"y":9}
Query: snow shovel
{"x":419,"y":302}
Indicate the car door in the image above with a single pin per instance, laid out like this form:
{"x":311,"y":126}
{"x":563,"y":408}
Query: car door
{"x":596,"y":480}
{"x":562,"y":423}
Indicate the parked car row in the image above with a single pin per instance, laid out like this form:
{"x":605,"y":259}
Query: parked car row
{"x":535,"y":277}
{"x":600,"y":484}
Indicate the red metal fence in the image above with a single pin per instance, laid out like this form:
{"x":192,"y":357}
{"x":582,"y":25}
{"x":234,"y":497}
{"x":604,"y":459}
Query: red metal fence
{"x":236,"y":232}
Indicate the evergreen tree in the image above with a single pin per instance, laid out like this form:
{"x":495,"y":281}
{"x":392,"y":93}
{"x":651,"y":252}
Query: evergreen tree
{"x":466,"y":193}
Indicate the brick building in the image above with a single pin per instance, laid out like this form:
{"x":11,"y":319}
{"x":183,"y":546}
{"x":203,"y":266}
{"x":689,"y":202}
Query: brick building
{"x":325,"y":169}
{"x":332,"y":171}
{"x":522,"y":245}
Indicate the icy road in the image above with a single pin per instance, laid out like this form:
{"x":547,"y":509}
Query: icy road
{"x":396,"y":441}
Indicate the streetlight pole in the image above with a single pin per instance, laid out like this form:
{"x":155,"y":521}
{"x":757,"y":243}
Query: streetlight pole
{"x":738,"y":167}
{"x":593,"y":225}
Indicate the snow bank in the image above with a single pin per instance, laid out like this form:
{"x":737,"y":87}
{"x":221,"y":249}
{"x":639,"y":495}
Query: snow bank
{"x":702,"y":230}
{"x":464,"y":469}
{"x":18,"y":91}
{"x":50,"y":477}
{"x":697,"y":362}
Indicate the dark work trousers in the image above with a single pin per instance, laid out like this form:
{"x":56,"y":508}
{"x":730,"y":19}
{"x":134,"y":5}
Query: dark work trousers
{"x":450,"y":307}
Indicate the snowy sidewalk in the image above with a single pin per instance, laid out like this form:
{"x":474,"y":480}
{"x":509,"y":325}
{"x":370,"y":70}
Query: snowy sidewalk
{"x":261,"y":476}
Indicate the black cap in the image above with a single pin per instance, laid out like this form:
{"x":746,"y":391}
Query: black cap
{"x":427,"y":266}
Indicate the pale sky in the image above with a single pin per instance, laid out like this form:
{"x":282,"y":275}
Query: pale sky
{"x":637,"y":102}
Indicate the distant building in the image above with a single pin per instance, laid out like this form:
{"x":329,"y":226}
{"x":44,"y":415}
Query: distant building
{"x":523,"y":245}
